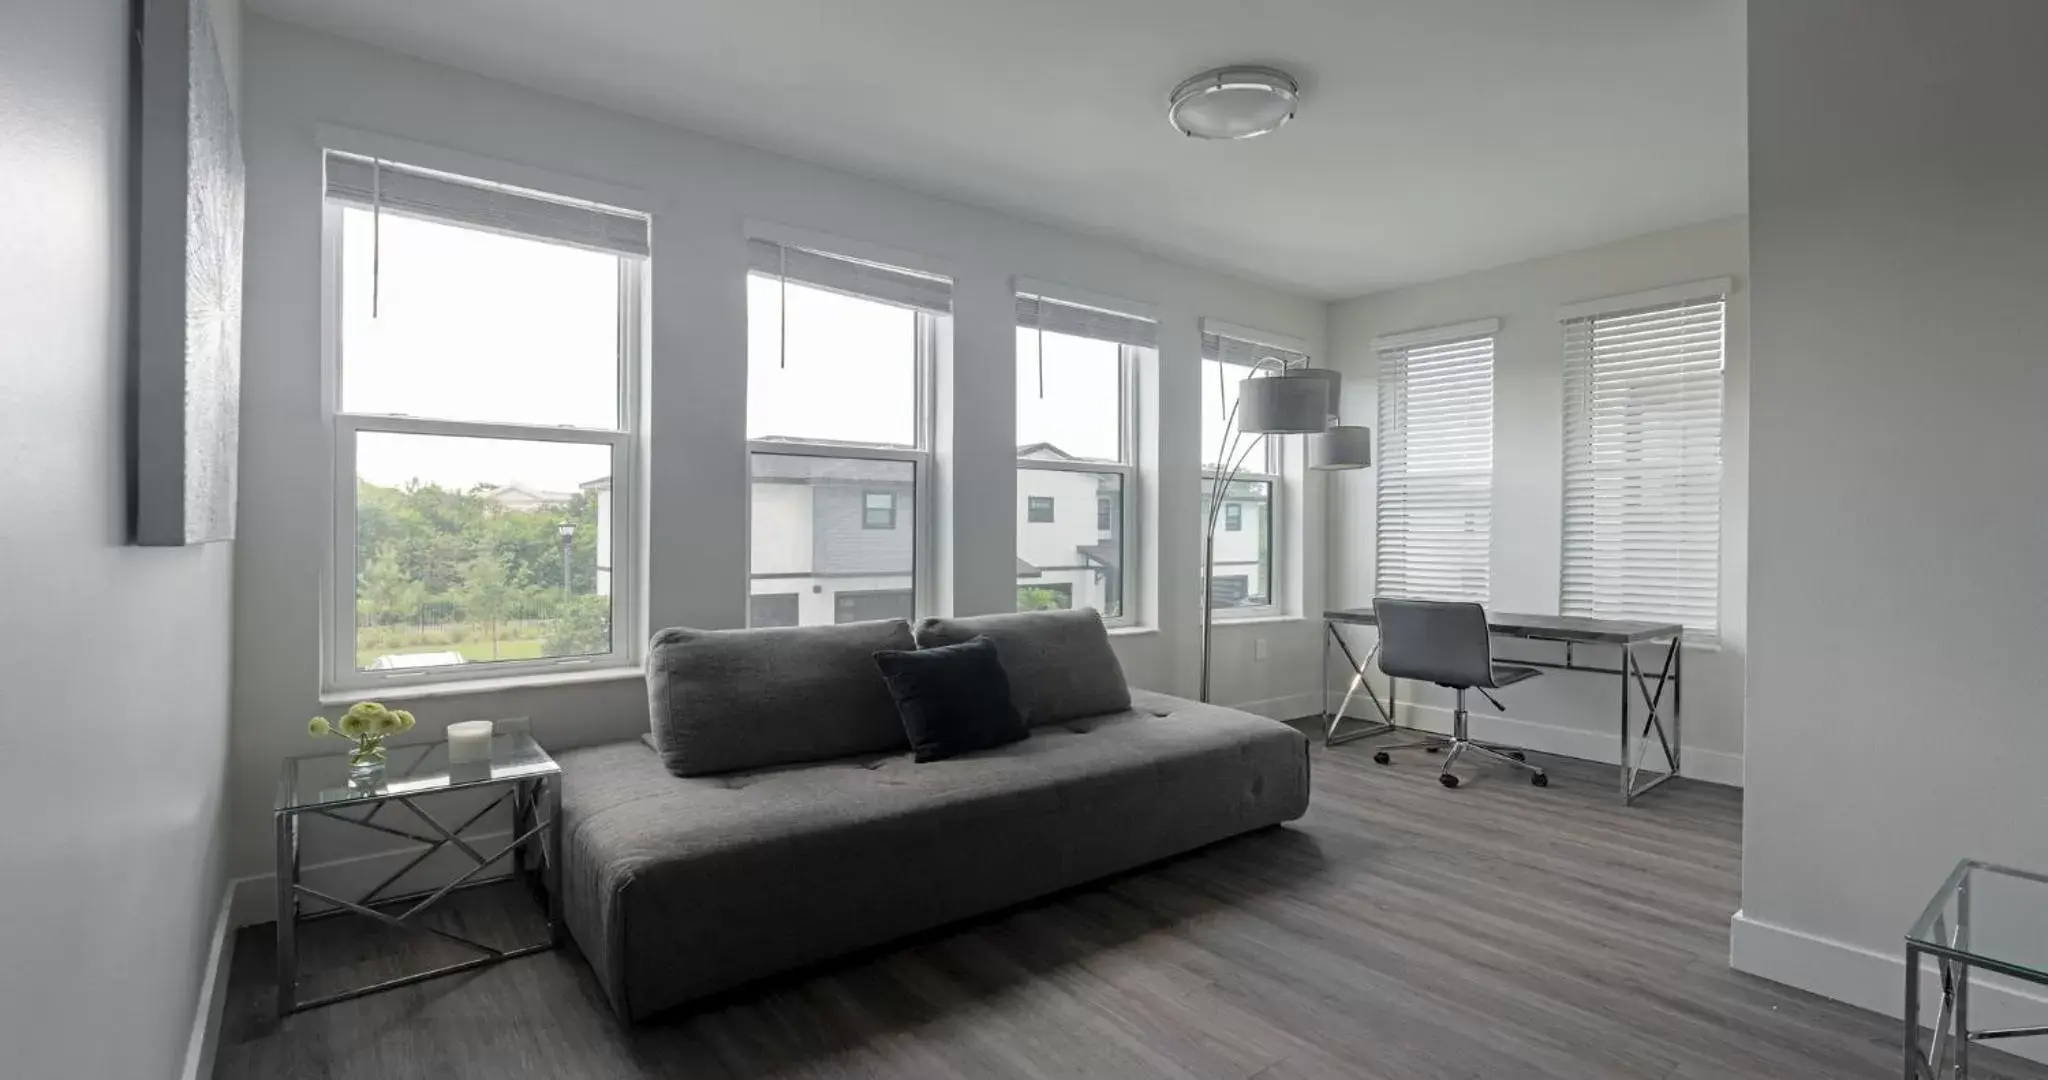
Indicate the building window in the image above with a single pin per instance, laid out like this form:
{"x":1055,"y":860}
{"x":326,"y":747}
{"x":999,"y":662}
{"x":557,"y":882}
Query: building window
{"x":1642,"y":462}
{"x":1435,"y":469}
{"x":772,"y":609}
{"x":878,"y":510}
{"x":1246,"y":570}
{"x":839,"y":362}
{"x":1076,"y":434}
{"x":485,"y":362}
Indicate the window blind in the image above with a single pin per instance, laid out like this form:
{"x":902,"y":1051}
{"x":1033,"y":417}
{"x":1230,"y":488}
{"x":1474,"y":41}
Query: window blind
{"x":392,"y":188}
{"x":852,"y":277}
{"x":1642,"y":464}
{"x":1435,"y":504}
{"x":1225,"y":349}
{"x":1080,"y":320}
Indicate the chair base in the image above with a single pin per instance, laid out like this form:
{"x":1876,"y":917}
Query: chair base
{"x":1460,"y":744}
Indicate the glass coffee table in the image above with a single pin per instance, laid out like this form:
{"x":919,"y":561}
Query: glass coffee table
{"x":319,"y":786}
{"x":1987,"y":918}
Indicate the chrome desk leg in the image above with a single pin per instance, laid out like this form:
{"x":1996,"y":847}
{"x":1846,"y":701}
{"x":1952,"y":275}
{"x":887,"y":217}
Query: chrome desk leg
{"x":551,"y":850}
{"x":1916,"y":1064}
{"x":1358,"y":682}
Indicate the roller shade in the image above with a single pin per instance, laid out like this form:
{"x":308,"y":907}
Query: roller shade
{"x":1225,"y":349}
{"x":1642,"y":464}
{"x":480,"y":204}
{"x":852,"y":277}
{"x":1060,"y":317}
{"x":1435,"y":497}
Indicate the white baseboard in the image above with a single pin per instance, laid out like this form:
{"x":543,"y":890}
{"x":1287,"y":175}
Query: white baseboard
{"x":255,"y":896}
{"x":1712,"y":766}
{"x":213,"y":994}
{"x":1873,"y":980}
{"x":1289,"y":707}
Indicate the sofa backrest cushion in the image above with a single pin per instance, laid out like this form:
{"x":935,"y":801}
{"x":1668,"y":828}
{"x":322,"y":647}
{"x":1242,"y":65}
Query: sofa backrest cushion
{"x":725,"y":700}
{"x":1059,"y":662}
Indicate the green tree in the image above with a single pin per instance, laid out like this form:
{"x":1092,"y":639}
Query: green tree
{"x":1040,"y":598}
{"x":581,"y":627}
{"x":487,"y":593}
{"x":386,"y":593}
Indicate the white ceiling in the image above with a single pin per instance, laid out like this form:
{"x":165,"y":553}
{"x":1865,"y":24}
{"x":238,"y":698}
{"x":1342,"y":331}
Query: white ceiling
{"x":1435,"y":136}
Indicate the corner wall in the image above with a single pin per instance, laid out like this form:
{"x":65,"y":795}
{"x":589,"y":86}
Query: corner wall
{"x":1899,"y":596}
{"x":113,"y":659}
{"x":1562,"y":712}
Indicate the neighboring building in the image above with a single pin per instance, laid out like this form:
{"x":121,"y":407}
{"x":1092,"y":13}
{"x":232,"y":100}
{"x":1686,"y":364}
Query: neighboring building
{"x":601,"y":488}
{"x":834,"y":540}
{"x":518,"y":497}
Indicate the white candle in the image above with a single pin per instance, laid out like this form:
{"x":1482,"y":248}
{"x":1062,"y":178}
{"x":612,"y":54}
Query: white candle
{"x":469,"y":741}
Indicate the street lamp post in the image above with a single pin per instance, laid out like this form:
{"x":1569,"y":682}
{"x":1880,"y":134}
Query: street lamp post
{"x":567,"y":531}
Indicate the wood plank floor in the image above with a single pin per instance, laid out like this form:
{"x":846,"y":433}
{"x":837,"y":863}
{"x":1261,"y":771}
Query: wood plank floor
{"x":1398,"y":932}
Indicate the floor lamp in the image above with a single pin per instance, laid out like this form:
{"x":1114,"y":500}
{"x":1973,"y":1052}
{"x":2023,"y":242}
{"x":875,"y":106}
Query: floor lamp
{"x":1275,"y":400}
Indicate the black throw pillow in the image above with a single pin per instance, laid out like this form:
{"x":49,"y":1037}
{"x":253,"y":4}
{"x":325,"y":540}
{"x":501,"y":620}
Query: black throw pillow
{"x":953,"y":698}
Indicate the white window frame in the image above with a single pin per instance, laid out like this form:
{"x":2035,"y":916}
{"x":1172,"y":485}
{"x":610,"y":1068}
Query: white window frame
{"x":1274,"y":475}
{"x":1125,"y":466}
{"x":1487,"y":330}
{"x":338,"y":591}
{"x":919,"y":457}
{"x":1668,"y":299}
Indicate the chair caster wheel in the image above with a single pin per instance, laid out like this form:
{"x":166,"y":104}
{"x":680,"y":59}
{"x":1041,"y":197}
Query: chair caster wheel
{"x":1447,"y":780}
{"x":1381,"y":758}
{"x":1518,"y":755}
{"x":1433,"y":749}
{"x":1540,"y":780}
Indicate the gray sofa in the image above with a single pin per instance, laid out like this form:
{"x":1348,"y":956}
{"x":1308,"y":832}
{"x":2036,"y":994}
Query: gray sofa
{"x":680,"y":886}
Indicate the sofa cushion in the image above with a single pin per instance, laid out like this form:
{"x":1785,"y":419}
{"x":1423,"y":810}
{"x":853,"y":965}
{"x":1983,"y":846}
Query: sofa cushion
{"x":680,"y":888}
{"x":953,"y":699}
{"x":1059,"y":662}
{"x":722,"y":700}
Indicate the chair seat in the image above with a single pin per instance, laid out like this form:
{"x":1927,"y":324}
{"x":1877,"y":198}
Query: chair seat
{"x":1510,"y":674}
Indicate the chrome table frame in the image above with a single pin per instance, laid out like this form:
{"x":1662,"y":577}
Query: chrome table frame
{"x":1948,"y":1045}
{"x":535,"y":848}
{"x":1569,"y":632}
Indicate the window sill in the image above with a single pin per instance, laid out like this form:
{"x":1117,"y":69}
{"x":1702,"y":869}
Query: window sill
{"x":416,"y":691}
{"x":1133,"y":631}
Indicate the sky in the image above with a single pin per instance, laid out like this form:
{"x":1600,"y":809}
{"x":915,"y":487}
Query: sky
{"x":474,"y":326}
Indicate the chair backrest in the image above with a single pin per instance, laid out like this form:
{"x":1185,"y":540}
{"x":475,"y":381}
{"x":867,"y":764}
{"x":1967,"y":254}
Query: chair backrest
{"x":1434,"y":641}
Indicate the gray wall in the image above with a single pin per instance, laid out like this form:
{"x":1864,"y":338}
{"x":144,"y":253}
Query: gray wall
{"x":1899,"y":502}
{"x":1565,"y":713}
{"x":113,"y":659}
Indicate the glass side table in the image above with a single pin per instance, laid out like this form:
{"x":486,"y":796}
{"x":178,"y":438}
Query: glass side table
{"x":530,"y":779}
{"x":1984,"y":917}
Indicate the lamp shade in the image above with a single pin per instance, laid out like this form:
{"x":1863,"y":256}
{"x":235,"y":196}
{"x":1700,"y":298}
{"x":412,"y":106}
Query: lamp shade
{"x":1295,"y":403}
{"x":1341,"y":446}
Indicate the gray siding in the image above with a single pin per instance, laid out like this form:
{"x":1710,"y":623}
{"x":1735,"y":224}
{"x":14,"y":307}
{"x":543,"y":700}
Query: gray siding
{"x":840,"y":545}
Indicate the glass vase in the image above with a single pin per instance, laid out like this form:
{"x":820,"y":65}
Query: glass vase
{"x":366,"y":766}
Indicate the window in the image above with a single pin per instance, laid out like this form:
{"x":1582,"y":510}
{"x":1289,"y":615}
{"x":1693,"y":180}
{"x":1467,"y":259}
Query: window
{"x":1435,"y":502}
{"x":484,"y":365}
{"x":878,"y":510}
{"x":839,"y":361}
{"x":1076,"y":435}
{"x":1642,"y":460}
{"x":1245,"y":569}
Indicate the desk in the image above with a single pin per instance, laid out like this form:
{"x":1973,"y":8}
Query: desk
{"x":1570,"y":631}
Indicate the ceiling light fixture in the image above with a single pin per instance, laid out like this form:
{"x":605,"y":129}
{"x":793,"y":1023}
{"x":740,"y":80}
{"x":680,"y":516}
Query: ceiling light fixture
{"x":1235,"y":102}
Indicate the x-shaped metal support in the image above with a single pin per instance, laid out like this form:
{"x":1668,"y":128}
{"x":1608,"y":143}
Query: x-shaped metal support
{"x":1635,"y":745}
{"x":529,"y":826}
{"x":1358,"y":682}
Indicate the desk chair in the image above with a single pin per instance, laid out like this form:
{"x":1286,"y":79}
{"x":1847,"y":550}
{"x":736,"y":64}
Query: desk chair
{"x":1447,"y":644}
